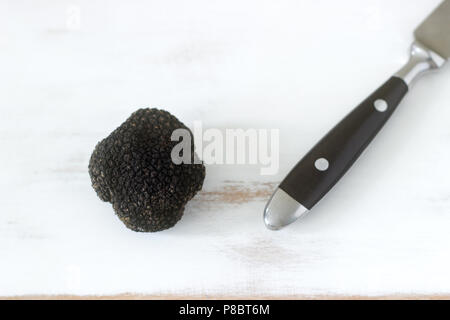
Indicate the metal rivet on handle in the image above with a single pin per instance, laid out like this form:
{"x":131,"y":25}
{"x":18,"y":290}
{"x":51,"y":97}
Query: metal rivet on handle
{"x":380,"y":105}
{"x":321,"y":164}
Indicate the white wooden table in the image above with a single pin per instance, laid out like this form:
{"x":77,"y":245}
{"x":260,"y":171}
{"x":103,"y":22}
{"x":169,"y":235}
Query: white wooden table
{"x":71,"y":72}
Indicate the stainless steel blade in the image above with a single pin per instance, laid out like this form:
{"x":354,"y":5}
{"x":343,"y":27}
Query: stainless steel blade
{"x":434,"y":32}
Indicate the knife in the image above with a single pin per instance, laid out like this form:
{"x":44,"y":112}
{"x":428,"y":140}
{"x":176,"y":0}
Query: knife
{"x":323,"y":166}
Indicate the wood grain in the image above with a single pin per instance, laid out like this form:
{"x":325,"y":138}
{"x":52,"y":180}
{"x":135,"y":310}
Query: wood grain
{"x":236,"y":192}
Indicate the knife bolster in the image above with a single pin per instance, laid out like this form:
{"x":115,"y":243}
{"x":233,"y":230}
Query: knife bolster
{"x":421,"y":60}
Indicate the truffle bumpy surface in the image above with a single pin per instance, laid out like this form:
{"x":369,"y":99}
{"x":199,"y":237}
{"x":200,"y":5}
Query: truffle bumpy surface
{"x":132,"y":169}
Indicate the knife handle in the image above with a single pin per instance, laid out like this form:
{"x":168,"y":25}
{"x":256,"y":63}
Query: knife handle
{"x":323,"y":166}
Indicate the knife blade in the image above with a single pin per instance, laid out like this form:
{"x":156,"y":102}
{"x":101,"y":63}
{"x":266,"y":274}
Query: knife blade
{"x":323,"y":166}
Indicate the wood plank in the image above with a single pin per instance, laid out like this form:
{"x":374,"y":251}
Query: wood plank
{"x":288,"y":65}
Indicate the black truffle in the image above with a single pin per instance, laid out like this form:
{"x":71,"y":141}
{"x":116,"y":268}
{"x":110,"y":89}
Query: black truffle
{"x":132,"y":168}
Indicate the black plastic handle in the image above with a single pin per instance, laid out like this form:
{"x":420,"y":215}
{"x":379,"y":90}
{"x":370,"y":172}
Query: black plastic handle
{"x":328,"y":161}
